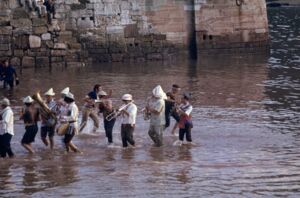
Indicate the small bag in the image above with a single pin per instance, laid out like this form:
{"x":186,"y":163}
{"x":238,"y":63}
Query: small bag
{"x":17,"y":82}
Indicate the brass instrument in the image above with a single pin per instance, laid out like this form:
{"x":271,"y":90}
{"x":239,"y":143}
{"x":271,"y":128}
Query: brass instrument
{"x":146,"y":113}
{"x":46,"y":111}
{"x":117,"y":112}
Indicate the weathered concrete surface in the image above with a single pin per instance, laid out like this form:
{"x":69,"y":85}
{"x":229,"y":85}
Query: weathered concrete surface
{"x":130,"y":30}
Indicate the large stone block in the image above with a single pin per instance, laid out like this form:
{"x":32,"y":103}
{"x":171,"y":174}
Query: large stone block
{"x":39,"y":22}
{"x":117,"y":57}
{"x":18,"y":53}
{"x":42,"y":61}
{"x":15,"y":61}
{"x":34,"y":41}
{"x":131,"y":31}
{"x":60,"y":46}
{"x":85,"y":23}
{"x":46,"y":36}
{"x":5,"y":39}
{"x":6,"y":30}
{"x":40,"y":30}
{"x":58,"y":52}
{"x":28,"y":61}
{"x":21,"y":42}
{"x":4,"y":47}
{"x":20,"y":13}
{"x":116,"y":29}
{"x":21,"y":23}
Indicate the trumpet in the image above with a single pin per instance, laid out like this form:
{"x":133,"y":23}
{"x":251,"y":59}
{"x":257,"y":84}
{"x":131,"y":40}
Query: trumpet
{"x":116,"y":113}
{"x":45,"y":110}
{"x":145,"y":111}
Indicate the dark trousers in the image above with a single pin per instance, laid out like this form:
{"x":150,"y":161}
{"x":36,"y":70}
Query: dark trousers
{"x":127,"y":135}
{"x":187,"y":131}
{"x":5,"y":148}
{"x":108,"y":126}
{"x":10,"y":83}
{"x":174,"y":114}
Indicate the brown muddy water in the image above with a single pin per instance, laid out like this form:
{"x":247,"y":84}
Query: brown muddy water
{"x":246,"y":129}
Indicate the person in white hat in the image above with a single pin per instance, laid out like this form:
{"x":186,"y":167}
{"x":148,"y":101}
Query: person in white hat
{"x":156,"y":108}
{"x":64,"y":92}
{"x":106,"y":108}
{"x":48,"y":123}
{"x":61,"y":104}
{"x":30,"y":117}
{"x":128,"y":121}
{"x":7,"y":131}
{"x":72,"y":119}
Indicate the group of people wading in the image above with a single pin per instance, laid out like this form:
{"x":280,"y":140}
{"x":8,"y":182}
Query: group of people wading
{"x":61,"y":116}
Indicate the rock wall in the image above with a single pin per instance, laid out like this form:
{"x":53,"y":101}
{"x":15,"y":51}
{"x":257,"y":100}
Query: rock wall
{"x":128,"y":30}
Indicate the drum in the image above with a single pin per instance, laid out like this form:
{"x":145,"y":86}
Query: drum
{"x":62,"y":129}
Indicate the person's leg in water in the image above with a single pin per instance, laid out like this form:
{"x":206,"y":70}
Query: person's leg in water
{"x":95,"y":119}
{"x":44,"y":132}
{"x":85,"y":115}
{"x":6,"y":145}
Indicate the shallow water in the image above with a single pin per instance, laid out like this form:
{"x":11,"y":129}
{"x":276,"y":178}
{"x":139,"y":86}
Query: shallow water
{"x":246,"y":129}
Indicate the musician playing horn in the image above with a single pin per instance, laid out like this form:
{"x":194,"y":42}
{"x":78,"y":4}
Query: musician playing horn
{"x":47,"y":126}
{"x":128,"y":121}
{"x":30,"y":116}
{"x":156,"y":107}
{"x":106,"y":108}
{"x":72,"y":119}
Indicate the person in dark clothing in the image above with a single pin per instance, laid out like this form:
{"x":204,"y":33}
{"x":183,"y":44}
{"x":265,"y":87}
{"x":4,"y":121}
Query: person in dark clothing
{"x":50,"y":7}
{"x":170,"y":102}
{"x":2,"y":70}
{"x":10,"y":75}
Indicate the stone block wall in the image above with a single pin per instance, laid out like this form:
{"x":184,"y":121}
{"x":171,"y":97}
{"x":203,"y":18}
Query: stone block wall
{"x":128,"y":30}
{"x":28,"y":40}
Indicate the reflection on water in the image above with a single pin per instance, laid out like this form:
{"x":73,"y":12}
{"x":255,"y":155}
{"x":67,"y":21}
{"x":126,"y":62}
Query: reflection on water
{"x":246,"y":129}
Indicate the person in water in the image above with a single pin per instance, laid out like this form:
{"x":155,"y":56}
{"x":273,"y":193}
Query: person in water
{"x":72,"y":119}
{"x":156,"y":108}
{"x":48,"y":123}
{"x":106,"y":108}
{"x":185,"y":122}
{"x":7,"y":132}
{"x":128,"y":121}
{"x":173,"y":98}
{"x":30,"y":117}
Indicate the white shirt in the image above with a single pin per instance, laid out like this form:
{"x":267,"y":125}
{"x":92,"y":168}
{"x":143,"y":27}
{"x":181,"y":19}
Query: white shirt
{"x":7,"y":121}
{"x":132,"y":111}
{"x":72,"y":115}
{"x":187,"y":108}
{"x":157,"y":105}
